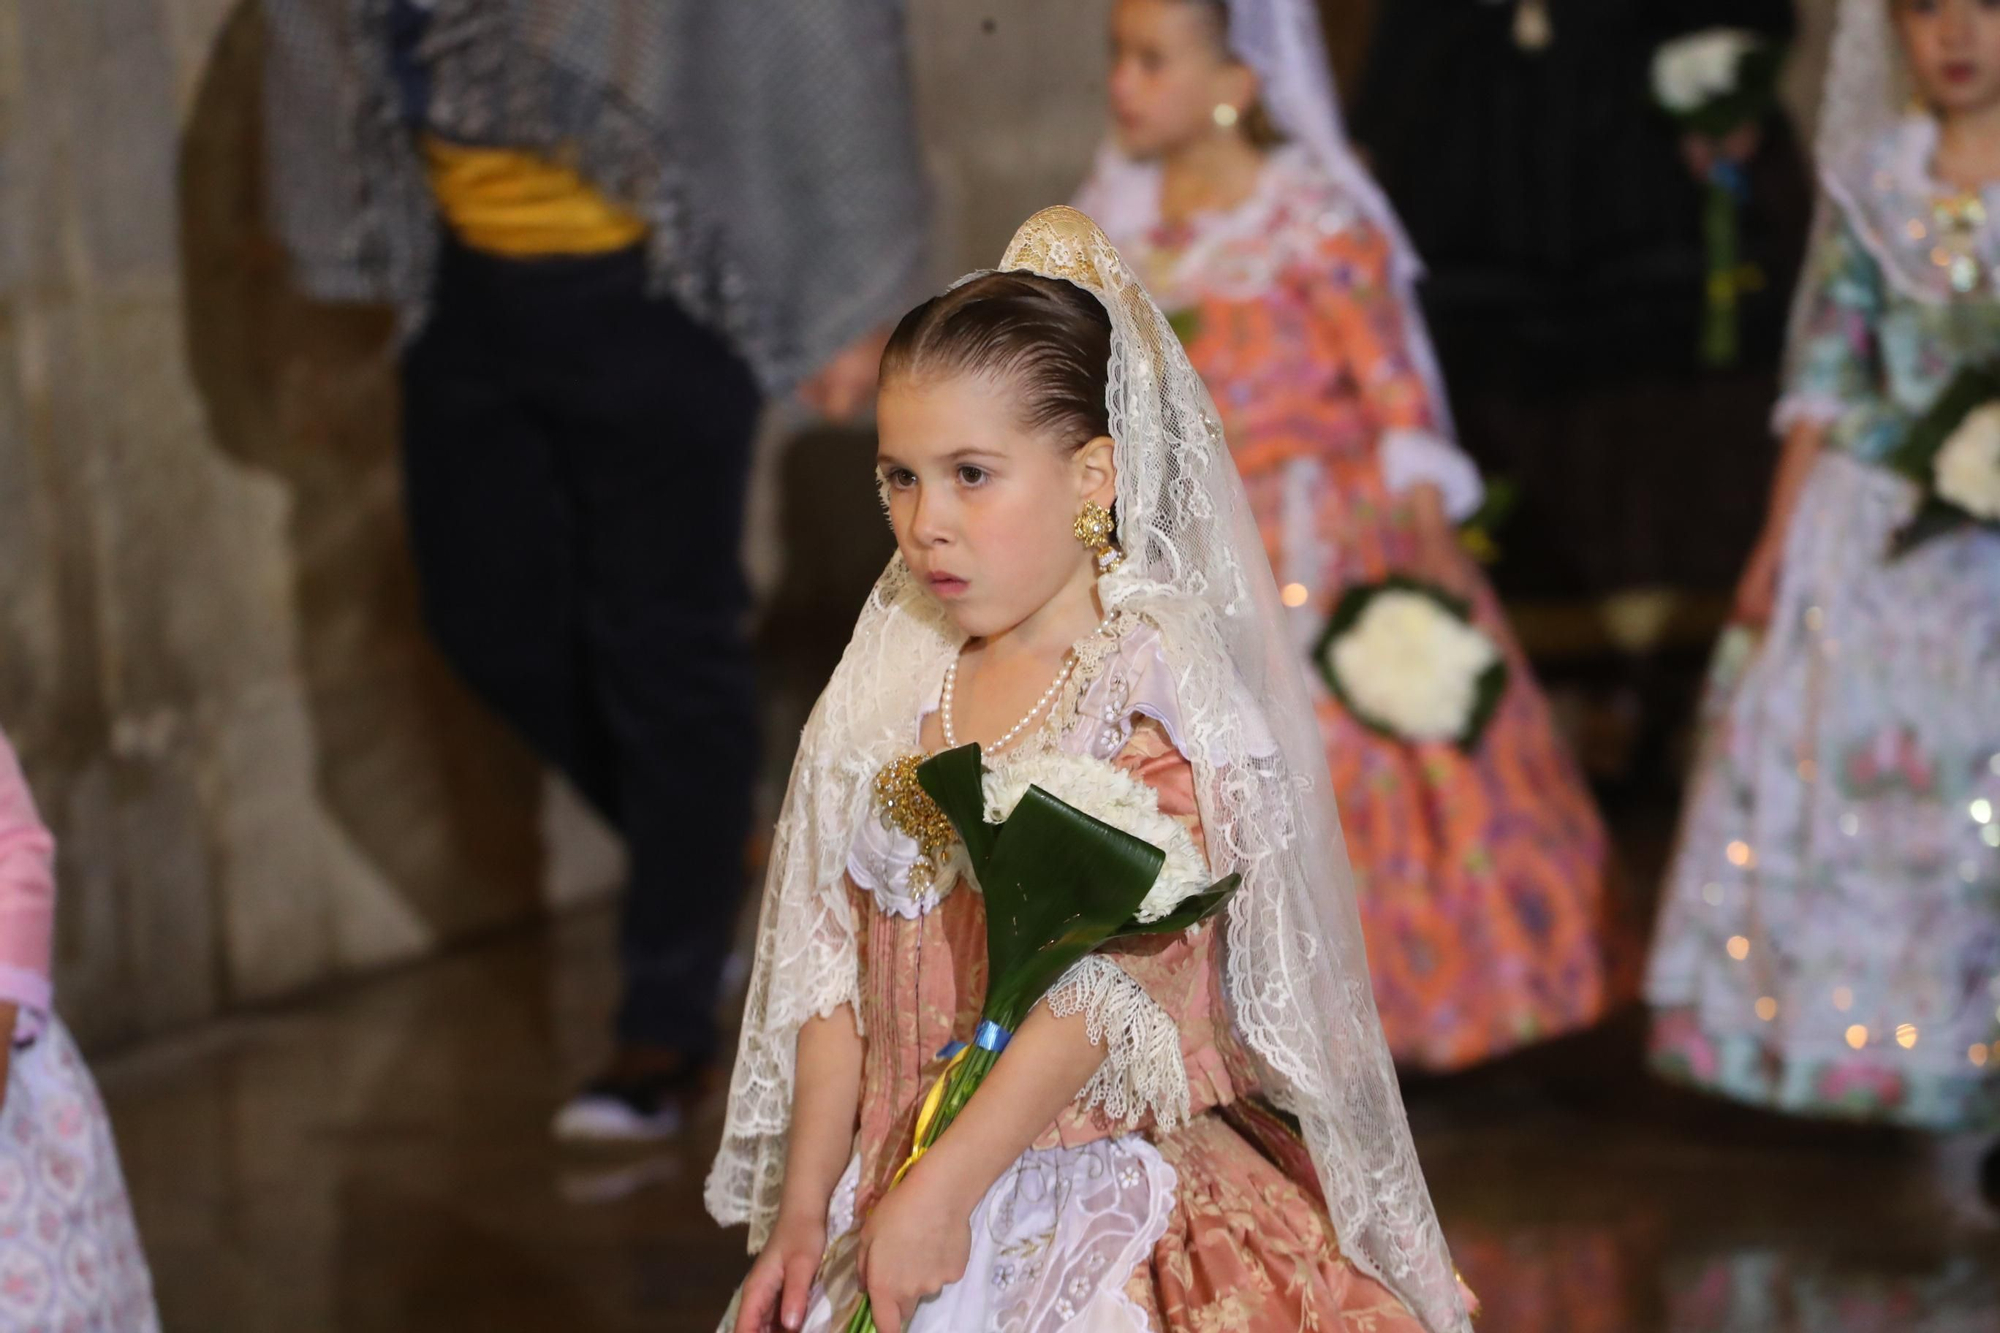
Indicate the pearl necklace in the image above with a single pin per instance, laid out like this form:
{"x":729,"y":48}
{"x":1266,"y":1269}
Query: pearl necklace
{"x":1048,"y":695}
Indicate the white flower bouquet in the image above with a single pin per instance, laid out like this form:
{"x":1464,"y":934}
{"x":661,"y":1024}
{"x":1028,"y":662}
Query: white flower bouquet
{"x":1952,"y":453}
{"x":1713,"y":83}
{"x":1406,"y":660}
{"x":1696,"y":77}
{"x":1111,"y":796}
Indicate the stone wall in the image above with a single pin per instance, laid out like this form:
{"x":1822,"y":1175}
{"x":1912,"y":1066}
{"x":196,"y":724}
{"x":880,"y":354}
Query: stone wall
{"x":1010,"y":98}
{"x":261,"y":775}
{"x":209,"y":659}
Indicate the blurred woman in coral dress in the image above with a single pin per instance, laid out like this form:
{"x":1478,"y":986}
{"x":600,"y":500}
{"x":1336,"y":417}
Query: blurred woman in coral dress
{"x":1490,"y":919}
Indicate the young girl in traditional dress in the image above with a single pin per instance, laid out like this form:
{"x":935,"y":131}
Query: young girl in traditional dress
{"x":1830,"y":940}
{"x":1484,"y":894}
{"x":69,"y":1254}
{"x":1122,"y":1168}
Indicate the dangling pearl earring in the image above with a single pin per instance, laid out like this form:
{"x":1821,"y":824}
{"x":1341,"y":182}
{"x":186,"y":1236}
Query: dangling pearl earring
{"x":1225,"y":115}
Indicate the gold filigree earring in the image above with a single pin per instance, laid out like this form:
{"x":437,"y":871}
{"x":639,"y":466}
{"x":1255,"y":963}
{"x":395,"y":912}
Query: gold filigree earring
{"x":1098,"y":532}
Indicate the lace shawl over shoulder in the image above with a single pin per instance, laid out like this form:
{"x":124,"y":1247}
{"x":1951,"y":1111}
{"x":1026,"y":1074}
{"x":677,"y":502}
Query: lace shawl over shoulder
{"x":1928,"y":243}
{"x":807,"y":962}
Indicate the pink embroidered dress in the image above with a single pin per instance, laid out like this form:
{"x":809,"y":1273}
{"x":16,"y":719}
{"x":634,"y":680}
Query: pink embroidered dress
{"x":1165,"y":1198}
{"x":1483,"y":887}
{"x":69,"y":1253}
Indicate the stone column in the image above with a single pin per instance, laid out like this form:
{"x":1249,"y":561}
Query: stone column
{"x":261,"y":776}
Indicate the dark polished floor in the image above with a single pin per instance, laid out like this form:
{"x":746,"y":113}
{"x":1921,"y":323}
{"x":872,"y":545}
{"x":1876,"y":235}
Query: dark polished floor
{"x":377,"y":1160}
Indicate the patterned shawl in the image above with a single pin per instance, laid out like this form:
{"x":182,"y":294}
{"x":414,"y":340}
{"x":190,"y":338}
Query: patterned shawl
{"x":770,"y":148}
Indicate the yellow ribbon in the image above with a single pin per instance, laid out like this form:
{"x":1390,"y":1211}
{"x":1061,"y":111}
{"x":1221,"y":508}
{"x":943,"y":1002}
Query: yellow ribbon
{"x":933,"y":1102}
{"x":1726,"y":284}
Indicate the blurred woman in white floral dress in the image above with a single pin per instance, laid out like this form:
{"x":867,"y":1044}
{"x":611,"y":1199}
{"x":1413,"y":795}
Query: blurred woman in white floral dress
{"x":1830,"y":939}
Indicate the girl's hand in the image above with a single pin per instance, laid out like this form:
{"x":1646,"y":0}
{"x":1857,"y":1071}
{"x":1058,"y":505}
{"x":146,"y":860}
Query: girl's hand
{"x":847,"y":384}
{"x":1701,"y":152}
{"x":916,"y":1242}
{"x":1440,"y":559}
{"x":1757,"y":590}
{"x":775,"y":1293}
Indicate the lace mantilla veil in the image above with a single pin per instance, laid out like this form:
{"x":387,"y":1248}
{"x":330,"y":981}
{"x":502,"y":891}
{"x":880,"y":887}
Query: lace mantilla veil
{"x":1863,"y":101}
{"x":1295,"y":970}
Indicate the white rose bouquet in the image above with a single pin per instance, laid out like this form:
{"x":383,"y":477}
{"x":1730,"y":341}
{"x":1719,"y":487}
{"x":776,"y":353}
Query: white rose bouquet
{"x":1713,"y":83}
{"x":1952,"y":453}
{"x":1111,"y":796}
{"x":1694,"y":75}
{"x":1407,"y":661}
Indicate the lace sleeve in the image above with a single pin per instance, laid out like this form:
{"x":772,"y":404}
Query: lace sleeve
{"x":1143,"y":1071}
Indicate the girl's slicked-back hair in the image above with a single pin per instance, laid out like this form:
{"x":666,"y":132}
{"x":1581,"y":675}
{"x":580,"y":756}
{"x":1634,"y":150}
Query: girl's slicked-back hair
{"x":1049,"y":338}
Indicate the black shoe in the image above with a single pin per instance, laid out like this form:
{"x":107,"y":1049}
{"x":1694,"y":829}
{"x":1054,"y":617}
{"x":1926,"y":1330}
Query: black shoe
{"x":642,"y":1108}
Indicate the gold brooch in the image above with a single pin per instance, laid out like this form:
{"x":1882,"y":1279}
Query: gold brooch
{"x":906,"y":807}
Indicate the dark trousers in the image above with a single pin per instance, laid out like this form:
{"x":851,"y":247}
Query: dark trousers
{"x":577,"y":455}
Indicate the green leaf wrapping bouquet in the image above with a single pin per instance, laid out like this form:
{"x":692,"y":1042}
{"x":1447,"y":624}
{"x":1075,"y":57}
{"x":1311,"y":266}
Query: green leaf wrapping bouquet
{"x":1952,"y":453}
{"x":1712,"y":83}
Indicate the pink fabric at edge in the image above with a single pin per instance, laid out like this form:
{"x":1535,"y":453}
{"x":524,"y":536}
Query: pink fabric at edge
{"x":27,"y":890}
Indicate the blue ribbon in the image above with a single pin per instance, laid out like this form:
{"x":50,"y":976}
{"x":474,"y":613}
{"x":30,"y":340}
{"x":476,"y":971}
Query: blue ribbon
{"x":1729,"y":174}
{"x":990,"y":1037}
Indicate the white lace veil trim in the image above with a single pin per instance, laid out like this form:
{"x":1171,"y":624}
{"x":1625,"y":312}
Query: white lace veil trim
{"x":1281,"y":41}
{"x":1866,"y":90}
{"x":1294,"y":966}
{"x":1862,"y":105}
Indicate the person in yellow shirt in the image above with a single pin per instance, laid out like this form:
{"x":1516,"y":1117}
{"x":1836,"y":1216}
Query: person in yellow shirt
{"x":614,"y":228}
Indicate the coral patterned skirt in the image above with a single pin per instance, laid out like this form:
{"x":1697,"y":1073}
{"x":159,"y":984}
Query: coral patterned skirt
{"x":1489,"y":912}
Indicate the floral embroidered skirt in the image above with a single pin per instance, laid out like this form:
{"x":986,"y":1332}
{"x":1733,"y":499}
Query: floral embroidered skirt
{"x":1491,"y":918}
{"x":1829,"y":943}
{"x":69,"y":1253}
